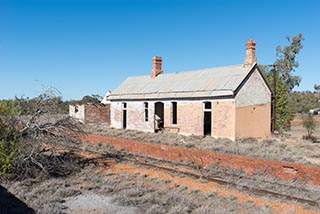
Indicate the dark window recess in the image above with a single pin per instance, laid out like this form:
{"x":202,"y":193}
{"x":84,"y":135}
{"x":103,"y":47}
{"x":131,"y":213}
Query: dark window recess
{"x":174,"y":113}
{"x":207,"y":105}
{"x":146,"y":112}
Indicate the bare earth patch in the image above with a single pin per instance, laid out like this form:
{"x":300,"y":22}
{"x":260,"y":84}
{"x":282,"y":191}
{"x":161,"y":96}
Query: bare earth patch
{"x":95,"y":204}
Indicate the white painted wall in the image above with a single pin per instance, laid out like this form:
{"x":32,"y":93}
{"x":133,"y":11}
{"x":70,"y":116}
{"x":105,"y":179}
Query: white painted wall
{"x":77,"y":112}
{"x":105,"y":99}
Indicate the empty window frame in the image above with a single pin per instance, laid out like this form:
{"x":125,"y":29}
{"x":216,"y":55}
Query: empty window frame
{"x":207,"y":106}
{"x":124,"y":106}
{"x":146,"y":111}
{"x":174,"y":113}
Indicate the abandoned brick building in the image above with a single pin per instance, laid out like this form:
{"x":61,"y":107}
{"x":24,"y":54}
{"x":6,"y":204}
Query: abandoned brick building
{"x":91,"y":113}
{"x":230,"y":102}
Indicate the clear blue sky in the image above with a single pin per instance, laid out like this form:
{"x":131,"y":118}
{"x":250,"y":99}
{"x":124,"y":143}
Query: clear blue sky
{"x":84,"y":47}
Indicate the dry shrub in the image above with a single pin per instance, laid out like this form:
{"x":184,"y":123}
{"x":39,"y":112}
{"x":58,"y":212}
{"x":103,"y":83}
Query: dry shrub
{"x":34,"y":132}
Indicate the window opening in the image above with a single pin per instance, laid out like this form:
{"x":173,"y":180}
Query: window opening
{"x":146,"y":112}
{"x":174,"y":113}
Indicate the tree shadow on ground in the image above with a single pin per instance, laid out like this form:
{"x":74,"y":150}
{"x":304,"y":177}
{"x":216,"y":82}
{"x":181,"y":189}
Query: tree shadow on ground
{"x":9,"y":204}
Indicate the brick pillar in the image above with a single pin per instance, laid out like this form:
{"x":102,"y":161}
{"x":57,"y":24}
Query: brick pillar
{"x":156,"y":66}
{"x":250,"y":53}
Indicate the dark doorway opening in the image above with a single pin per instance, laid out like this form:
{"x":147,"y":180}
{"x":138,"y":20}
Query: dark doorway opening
{"x":207,"y":118}
{"x":207,"y":123}
{"x":174,"y":113}
{"x":158,"y":116}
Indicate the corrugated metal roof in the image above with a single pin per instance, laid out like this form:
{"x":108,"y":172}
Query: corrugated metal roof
{"x":211,"y":82}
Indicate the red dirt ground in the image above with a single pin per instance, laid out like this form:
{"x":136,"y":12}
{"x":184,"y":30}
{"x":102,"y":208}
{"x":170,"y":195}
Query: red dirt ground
{"x":284,"y":170}
{"x":206,"y":187}
{"x":298,"y":121}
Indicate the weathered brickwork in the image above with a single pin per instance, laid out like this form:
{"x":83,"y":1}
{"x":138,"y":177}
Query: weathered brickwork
{"x":91,"y":113}
{"x":250,"y":53}
{"x":223,"y":118}
{"x":190,"y":117}
{"x":136,"y":116}
{"x":168,"y":115}
{"x":116,"y":115}
{"x":97,"y":113}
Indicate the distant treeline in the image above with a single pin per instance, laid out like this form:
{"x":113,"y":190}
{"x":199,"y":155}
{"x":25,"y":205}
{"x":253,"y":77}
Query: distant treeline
{"x":302,"y":102}
{"x":24,"y":105}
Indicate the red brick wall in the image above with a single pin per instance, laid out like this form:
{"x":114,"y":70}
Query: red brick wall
{"x":97,"y":113}
{"x":284,"y":170}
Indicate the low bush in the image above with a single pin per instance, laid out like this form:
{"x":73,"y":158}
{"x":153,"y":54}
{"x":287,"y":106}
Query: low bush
{"x":310,"y":125}
{"x":28,"y":142}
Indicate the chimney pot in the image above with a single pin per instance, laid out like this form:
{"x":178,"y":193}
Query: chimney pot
{"x":250,"y":58}
{"x":156,"y":66}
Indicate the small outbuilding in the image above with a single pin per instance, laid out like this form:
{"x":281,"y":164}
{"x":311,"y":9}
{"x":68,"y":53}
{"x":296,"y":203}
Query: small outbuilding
{"x":228,"y":102}
{"x":97,"y":113}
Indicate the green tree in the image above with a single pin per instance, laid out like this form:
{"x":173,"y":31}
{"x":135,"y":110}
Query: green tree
{"x":8,"y":110}
{"x":8,"y":107}
{"x":302,"y":102}
{"x":287,"y":63}
{"x":317,"y":88}
{"x":284,"y":66}
{"x":284,"y":111}
{"x":94,"y":98}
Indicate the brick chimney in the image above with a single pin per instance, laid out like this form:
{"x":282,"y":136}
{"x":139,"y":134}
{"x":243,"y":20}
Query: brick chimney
{"x":250,"y":53}
{"x":156,"y":66}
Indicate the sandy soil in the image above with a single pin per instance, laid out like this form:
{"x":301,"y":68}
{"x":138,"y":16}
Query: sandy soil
{"x":95,"y":204}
